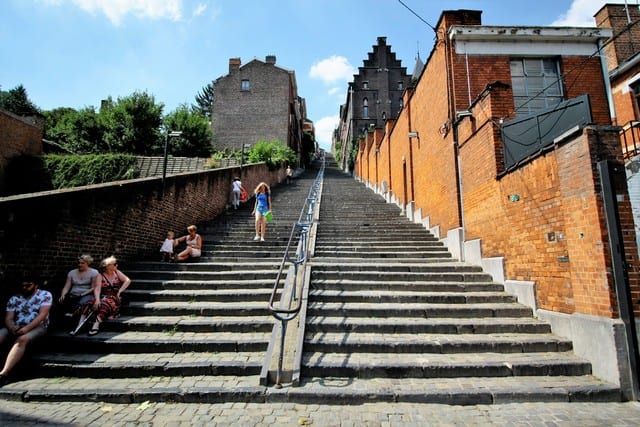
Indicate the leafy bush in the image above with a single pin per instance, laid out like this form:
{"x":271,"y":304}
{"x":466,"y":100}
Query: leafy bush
{"x":75,"y":170}
{"x":274,"y":153}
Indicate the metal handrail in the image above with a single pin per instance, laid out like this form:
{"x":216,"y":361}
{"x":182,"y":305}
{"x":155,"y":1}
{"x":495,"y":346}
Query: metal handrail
{"x":300,"y":228}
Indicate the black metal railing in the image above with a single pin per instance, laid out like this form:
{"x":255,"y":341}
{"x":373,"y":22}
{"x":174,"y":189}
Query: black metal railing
{"x":630,"y":139}
{"x":289,"y":304}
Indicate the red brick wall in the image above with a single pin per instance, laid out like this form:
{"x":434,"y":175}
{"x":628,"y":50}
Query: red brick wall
{"x":18,"y":136}
{"x":43,"y":233}
{"x":552,"y":231}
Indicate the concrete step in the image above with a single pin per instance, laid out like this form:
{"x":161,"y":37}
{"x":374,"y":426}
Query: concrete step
{"x":389,"y":344}
{"x":385,"y":296}
{"x":420,"y":365}
{"x":420,"y":325}
{"x":200,"y":295}
{"x":192,"y":323}
{"x":196,"y":308}
{"x":339,"y":283}
{"x":80,"y":365}
{"x":316,"y":390}
{"x":333,"y":309}
{"x":170,"y":341}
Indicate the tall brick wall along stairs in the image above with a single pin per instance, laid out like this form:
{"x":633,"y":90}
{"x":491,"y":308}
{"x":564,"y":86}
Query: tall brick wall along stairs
{"x":392,"y":317}
{"x":190,"y":332}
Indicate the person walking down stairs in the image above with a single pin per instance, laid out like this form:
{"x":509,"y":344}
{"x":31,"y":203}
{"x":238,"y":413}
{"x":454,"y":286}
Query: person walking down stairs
{"x":262,"y":209}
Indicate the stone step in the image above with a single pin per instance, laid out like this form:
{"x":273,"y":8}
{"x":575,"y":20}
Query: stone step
{"x":193,"y":323}
{"x":385,"y":296}
{"x":420,"y":365}
{"x":200,"y":295}
{"x":397,"y":275}
{"x":420,"y":286}
{"x":238,"y":283}
{"x":134,"y":342}
{"x":197,"y":308}
{"x":333,"y":309}
{"x":420,"y":325}
{"x":239,"y":274}
{"x":453,"y":391}
{"x":362,"y":254}
{"x":181,"y":364}
{"x":315,"y":390}
{"x":389,"y":344}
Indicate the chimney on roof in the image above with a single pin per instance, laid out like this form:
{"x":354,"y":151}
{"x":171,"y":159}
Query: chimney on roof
{"x":270,"y":59}
{"x":234,"y":64}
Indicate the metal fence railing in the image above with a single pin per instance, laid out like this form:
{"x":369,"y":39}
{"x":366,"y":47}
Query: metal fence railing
{"x":289,"y":304}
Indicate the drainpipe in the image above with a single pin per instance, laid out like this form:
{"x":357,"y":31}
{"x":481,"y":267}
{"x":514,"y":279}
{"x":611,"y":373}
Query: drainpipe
{"x":607,"y":82}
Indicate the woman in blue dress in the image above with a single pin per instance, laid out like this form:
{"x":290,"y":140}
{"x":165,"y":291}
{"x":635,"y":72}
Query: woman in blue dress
{"x":262,"y":207}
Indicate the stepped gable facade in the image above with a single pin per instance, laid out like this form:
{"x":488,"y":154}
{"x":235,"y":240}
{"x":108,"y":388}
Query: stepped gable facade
{"x":257,"y":101}
{"x":373,"y":97}
{"x":505,"y":149}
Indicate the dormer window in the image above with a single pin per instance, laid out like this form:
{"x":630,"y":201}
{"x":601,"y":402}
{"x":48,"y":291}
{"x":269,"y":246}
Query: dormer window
{"x":245,"y":85}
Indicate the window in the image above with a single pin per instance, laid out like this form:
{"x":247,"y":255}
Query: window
{"x":635,"y":89}
{"x":365,"y":108}
{"x":401,"y":104}
{"x":365,"y":85}
{"x":245,"y":85}
{"x":400,"y":85}
{"x":536,"y":84}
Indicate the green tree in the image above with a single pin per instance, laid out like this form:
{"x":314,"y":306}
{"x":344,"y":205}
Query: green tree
{"x":195,"y":140}
{"x":204,"y":101}
{"x":17,"y":101}
{"x":79,"y":132}
{"x":132,"y":124}
{"x":274,"y":153}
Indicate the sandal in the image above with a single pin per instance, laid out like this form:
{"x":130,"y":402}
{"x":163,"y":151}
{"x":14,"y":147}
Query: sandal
{"x":94,"y":331}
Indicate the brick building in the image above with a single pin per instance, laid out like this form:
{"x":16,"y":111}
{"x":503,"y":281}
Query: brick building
{"x":19,"y":136}
{"x":374,"y":96}
{"x":623,"y":60}
{"x":257,"y":101}
{"x":505,"y":149}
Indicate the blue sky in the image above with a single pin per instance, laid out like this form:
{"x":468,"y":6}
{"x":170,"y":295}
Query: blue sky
{"x":74,"y":53}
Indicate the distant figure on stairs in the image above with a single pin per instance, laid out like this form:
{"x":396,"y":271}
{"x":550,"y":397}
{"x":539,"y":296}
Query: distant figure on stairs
{"x":194,"y":244}
{"x":238,"y":192}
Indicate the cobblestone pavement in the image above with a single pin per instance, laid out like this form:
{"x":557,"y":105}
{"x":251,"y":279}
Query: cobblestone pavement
{"x":289,"y":414}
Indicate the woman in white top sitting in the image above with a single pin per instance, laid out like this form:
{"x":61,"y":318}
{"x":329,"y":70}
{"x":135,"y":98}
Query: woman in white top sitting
{"x":194,"y":244}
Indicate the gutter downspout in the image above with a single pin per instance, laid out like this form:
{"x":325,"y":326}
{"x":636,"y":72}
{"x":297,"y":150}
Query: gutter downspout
{"x":607,"y":82}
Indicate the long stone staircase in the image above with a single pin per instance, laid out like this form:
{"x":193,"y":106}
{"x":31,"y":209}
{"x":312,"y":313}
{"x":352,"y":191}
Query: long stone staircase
{"x":390,"y":316}
{"x":190,"y":332}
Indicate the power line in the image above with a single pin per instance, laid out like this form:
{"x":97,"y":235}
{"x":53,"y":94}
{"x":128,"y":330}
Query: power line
{"x":418,"y":16}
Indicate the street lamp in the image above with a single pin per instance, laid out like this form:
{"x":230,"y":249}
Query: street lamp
{"x":172,"y":134}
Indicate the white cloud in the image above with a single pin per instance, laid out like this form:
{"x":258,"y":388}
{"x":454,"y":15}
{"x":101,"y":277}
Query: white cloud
{"x":333,"y":69}
{"x":580,"y":13}
{"x":200,"y":9}
{"x":115,"y":10}
{"x":324,"y":130}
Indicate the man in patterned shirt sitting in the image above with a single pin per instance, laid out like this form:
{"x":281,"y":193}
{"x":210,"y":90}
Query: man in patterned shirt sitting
{"x":26,"y":320}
